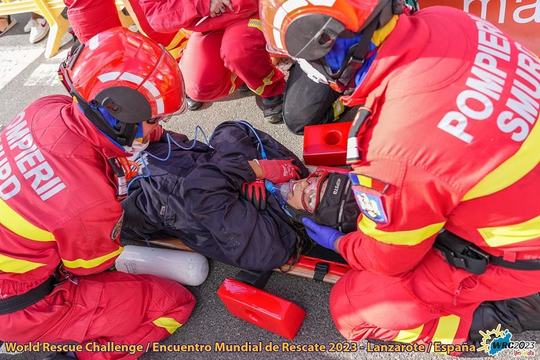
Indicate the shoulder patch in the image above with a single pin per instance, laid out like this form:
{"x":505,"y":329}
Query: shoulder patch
{"x":115,"y":233}
{"x":371,"y":205}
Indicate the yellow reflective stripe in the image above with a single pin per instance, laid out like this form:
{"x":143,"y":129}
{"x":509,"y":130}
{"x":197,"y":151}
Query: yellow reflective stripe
{"x":365,"y":181}
{"x":266,"y":81}
{"x":410,"y":335}
{"x":233,"y":83}
{"x":176,"y":53}
{"x":510,"y":234}
{"x":446,"y":330}
{"x":380,"y":35}
{"x":338,"y":109}
{"x":17,"y":266}
{"x":168,"y":323}
{"x":511,"y":170}
{"x":404,"y":237}
{"x":255,"y":23}
{"x":20,"y":226}
{"x":92,"y":263}
{"x":180,"y":35}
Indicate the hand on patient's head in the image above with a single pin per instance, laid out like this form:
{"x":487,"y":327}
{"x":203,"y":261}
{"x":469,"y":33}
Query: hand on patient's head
{"x":325,"y":236}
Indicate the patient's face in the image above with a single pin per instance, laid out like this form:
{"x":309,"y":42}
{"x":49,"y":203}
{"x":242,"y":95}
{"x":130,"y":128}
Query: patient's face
{"x":305,"y":194}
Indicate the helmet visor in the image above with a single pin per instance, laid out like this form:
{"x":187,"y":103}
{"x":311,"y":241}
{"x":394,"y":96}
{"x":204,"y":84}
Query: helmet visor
{"x":296,"y":28}
{"x":312,"y":36}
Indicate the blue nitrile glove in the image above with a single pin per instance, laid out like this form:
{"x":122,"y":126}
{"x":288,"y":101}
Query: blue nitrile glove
{"x":323,"y":235}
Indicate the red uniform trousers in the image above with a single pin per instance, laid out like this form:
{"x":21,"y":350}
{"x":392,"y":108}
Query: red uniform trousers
{"x":106,"y":307}
{"x":434,"y":302}
{"x":216,"y":63}
{"x":87,"y":18}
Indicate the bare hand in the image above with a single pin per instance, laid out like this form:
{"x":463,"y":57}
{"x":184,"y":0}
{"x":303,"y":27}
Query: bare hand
{"x":218,"y":7}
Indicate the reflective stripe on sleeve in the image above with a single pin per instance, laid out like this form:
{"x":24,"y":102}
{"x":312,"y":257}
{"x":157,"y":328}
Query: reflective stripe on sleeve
{"x":511,"y":234}
{"x":177,"y":45}
{"x":168,"y":323}
{"x":17,"y":224}
{"x":180,"y":36}
{"x":91,"y":263}
{"x":255,"y":23}
{"x":404,"y":237}
{"x":17,"y":266}
{"x":511,"y":170}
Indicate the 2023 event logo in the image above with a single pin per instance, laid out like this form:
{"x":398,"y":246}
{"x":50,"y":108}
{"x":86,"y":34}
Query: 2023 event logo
{"x":497,"y":341}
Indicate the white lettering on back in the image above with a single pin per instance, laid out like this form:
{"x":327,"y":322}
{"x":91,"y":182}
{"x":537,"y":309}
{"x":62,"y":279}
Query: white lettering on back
{"x":486,"y":83}
{"x":30,"y":162}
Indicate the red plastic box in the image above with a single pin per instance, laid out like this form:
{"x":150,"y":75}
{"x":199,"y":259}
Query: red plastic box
{"x":326,"y":144}
{"x":261,"y":308}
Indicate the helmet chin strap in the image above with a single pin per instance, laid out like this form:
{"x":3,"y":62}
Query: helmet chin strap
{"x":121,"y":133}
{"x":138,"y":144}
{"x":296,"y":214}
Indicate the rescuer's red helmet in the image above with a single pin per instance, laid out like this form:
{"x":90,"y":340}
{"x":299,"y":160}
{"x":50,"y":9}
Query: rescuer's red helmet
{"x":120,"y":79}
{"x":308,"y":29}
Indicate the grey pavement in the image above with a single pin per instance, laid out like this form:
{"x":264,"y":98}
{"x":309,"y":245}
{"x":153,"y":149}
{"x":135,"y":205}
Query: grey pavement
{"x":26,"y":75}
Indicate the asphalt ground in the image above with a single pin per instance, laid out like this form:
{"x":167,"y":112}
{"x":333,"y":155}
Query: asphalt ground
{"x":25,"y":75}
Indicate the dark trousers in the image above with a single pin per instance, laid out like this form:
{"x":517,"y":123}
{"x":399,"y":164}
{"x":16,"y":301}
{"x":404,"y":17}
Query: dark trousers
{"x":306,"y":102}
{"x":516,"y":315}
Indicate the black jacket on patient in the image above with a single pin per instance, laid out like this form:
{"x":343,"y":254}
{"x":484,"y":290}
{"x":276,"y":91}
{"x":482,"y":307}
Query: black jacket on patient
{"x":195,"y":197}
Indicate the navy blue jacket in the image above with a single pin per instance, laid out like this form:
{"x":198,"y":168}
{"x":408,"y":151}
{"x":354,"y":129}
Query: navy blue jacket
{"x":195,"y":196}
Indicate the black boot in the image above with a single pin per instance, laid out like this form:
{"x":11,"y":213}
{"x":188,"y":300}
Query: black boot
{"x":272,"y":108}
{"x":243,"y":89}
{"x":516,"y":315}
{"x":193,"y":105}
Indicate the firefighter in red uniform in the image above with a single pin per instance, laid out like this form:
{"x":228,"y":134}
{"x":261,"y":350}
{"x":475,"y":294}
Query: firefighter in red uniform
{"x":445,"y":153}
{"x":61,"y":219}
{"x":226,"y":50}
{"x":87,"y":18}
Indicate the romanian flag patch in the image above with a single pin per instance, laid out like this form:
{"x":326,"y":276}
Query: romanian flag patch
{"x":368,"y":192}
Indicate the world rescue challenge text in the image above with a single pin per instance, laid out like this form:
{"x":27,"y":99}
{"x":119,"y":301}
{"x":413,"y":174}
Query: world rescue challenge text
{"x":246,"y":347}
